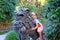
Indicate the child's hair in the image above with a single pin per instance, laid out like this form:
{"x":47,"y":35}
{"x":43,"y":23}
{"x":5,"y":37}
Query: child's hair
{"x":33,"y":13}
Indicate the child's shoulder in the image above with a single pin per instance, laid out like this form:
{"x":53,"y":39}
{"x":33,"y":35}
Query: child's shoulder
{"x":37,"y":21}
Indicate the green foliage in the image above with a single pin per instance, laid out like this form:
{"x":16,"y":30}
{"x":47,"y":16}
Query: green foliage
{"x":51,"y":13}
{"x":7,"y":8}
{"x":11,"y":36}
{"x":32,"y":8}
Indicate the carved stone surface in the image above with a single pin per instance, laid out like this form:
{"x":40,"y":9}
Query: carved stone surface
{"x":23,"y":23}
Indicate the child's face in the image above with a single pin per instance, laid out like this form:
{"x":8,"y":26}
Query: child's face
{"x":34,"y":16}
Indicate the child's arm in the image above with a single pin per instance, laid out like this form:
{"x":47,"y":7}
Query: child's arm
{"x":34,"y":28}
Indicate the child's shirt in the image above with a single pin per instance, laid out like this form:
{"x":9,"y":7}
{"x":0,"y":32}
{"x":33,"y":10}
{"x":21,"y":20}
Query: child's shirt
{"x":38,"y":24}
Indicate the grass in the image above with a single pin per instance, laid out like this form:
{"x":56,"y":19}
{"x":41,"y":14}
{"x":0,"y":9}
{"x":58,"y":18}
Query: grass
{"x":3,"y":32}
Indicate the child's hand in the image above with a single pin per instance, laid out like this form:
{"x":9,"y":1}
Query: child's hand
{"x":31,"y":29}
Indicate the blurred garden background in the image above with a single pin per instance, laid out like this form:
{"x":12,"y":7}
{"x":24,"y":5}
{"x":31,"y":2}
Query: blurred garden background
{"x":48,"y":13}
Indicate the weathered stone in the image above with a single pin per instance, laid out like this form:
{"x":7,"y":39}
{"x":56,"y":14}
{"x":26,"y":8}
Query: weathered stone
{"x":23,"y":23}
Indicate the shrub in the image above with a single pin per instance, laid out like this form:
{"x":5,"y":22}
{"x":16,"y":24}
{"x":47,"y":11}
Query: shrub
{"x":7,"y":8}
{"x":52,"y":16}
{"x":11,"y":36}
